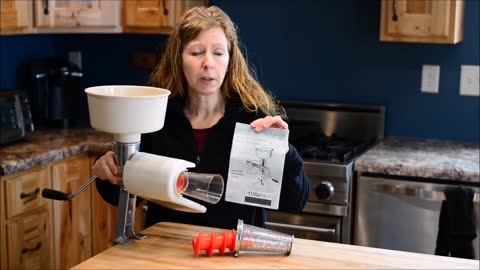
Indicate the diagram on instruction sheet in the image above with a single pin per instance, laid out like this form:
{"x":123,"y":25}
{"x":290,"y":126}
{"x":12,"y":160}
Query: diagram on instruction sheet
{"x":259,"y":167}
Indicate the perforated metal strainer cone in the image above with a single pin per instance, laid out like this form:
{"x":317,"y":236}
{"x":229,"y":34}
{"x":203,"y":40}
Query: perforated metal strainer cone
{"x":252,"y":239}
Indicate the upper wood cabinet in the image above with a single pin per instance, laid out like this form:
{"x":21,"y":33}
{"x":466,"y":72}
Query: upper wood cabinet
{"x":15,"y":17}
{"x":92,"y":16}
{"x":77,"y":16}
{"x":154,"y":16}
{"x":426,"y":21}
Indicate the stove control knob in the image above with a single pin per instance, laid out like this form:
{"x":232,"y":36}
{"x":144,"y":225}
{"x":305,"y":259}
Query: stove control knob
{"x":324,"y":190}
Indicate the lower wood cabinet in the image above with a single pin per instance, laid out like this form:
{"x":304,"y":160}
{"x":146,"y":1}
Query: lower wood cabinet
{"x":3,"y":246}
{"x":104,"y":220}
{"x":72,"y":220}
{"x":25,"y":226}
{"x":29,"y":241}
{"x":37,"y":233}
{"x":104,"y":216}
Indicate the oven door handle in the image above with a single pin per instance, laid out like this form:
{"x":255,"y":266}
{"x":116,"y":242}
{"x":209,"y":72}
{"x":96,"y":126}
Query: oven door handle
{"x":430,"y":195}
{"x":303,"y":228}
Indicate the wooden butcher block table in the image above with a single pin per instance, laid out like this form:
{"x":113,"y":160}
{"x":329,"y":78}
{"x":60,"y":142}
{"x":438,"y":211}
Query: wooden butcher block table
{"x":169,"y":245}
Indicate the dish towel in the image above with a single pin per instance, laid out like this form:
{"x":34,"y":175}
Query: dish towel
{"x":456,"y":228}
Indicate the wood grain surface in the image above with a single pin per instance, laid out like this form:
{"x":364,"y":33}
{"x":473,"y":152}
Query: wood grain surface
{"x":169,"y":246}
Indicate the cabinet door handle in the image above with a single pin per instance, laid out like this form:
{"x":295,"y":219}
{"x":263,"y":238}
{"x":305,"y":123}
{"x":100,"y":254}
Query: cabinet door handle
{"x":30,"y":195}
{"x":394,"y":7}
{"x":165,"y":10}
{"x":45,"y":4}
{"x":35,"y":248}
{"x":302,"y":228}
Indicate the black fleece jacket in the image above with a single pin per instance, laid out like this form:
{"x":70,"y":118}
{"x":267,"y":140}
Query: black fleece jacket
{"x":176,"y":140}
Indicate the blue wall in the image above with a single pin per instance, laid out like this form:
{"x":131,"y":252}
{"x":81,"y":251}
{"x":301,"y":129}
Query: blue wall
{"x":326,"y":51}
{"x":106,"y":58}
{"x":16,"y":50}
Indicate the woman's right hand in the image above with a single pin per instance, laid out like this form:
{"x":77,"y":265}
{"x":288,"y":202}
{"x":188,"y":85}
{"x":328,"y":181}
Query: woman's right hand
{"x":106,"y":168}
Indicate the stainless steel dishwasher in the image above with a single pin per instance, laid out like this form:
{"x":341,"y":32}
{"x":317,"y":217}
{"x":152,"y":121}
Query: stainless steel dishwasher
{"x":404,"y":215}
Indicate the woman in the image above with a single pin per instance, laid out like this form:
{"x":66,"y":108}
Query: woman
{"x":211,"y":90}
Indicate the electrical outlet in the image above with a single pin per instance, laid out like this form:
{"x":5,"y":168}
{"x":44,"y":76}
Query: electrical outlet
{"x":75,"y":57}
{"x":430,"y":78}
{"x":469,"y":80}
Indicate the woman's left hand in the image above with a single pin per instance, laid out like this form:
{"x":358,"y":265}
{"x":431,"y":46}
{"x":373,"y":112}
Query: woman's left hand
{"x":269,"y":121}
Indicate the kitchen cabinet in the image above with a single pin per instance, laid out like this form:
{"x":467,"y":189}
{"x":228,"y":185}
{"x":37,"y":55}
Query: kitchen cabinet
{"x":42,"y":234}
{"x":92,"y":16}
{"x":429,"y":21}
{"x":29,"y":241}
{"x":77,"y":16}
{"x":154,"y":17}
{"x":36,"y":233}
{"x":26,"y":231}
{"x":104,"y":220}
{"x":104,"y":217}
{"x":57,"y":159}
{"x":72,"y":219}
{"x":3,"y":242}
{"x":15,"y":17}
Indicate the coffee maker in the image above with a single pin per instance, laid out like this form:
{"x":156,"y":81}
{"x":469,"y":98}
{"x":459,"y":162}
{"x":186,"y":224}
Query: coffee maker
{"x":56,"y":93}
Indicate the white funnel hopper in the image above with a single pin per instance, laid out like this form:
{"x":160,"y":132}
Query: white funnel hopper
{"x":127,"y":111}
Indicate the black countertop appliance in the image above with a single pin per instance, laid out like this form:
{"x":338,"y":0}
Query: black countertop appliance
{"x":56,"y":93}
{"x":15,"y":116}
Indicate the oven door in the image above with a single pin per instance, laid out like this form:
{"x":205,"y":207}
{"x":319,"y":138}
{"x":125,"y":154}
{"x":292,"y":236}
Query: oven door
{"x":306,"y":226}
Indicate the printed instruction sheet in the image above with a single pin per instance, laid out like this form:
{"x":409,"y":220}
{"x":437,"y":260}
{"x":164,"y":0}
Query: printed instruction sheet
{"x":256,"y":166}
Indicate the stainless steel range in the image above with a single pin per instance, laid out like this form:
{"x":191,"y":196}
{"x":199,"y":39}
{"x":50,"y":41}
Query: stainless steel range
{"x":329,"y":137}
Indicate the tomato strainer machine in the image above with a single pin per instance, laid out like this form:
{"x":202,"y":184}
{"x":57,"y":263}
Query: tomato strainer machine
{"x":127,"y":112}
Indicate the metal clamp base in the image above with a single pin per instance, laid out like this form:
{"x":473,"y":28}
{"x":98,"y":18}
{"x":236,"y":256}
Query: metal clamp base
{"x":124,"y":233}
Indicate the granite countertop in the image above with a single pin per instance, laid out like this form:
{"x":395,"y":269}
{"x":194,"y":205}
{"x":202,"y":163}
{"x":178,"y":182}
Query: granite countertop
{"x":423,"y":158}
{"x":46,"y":146}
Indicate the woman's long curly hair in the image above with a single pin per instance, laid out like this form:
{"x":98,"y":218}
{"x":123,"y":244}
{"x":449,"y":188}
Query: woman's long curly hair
{"x":239,"y":79}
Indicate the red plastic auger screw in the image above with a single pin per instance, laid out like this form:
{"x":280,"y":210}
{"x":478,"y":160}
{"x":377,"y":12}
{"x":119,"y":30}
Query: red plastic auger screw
{"x":214,"y":241}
